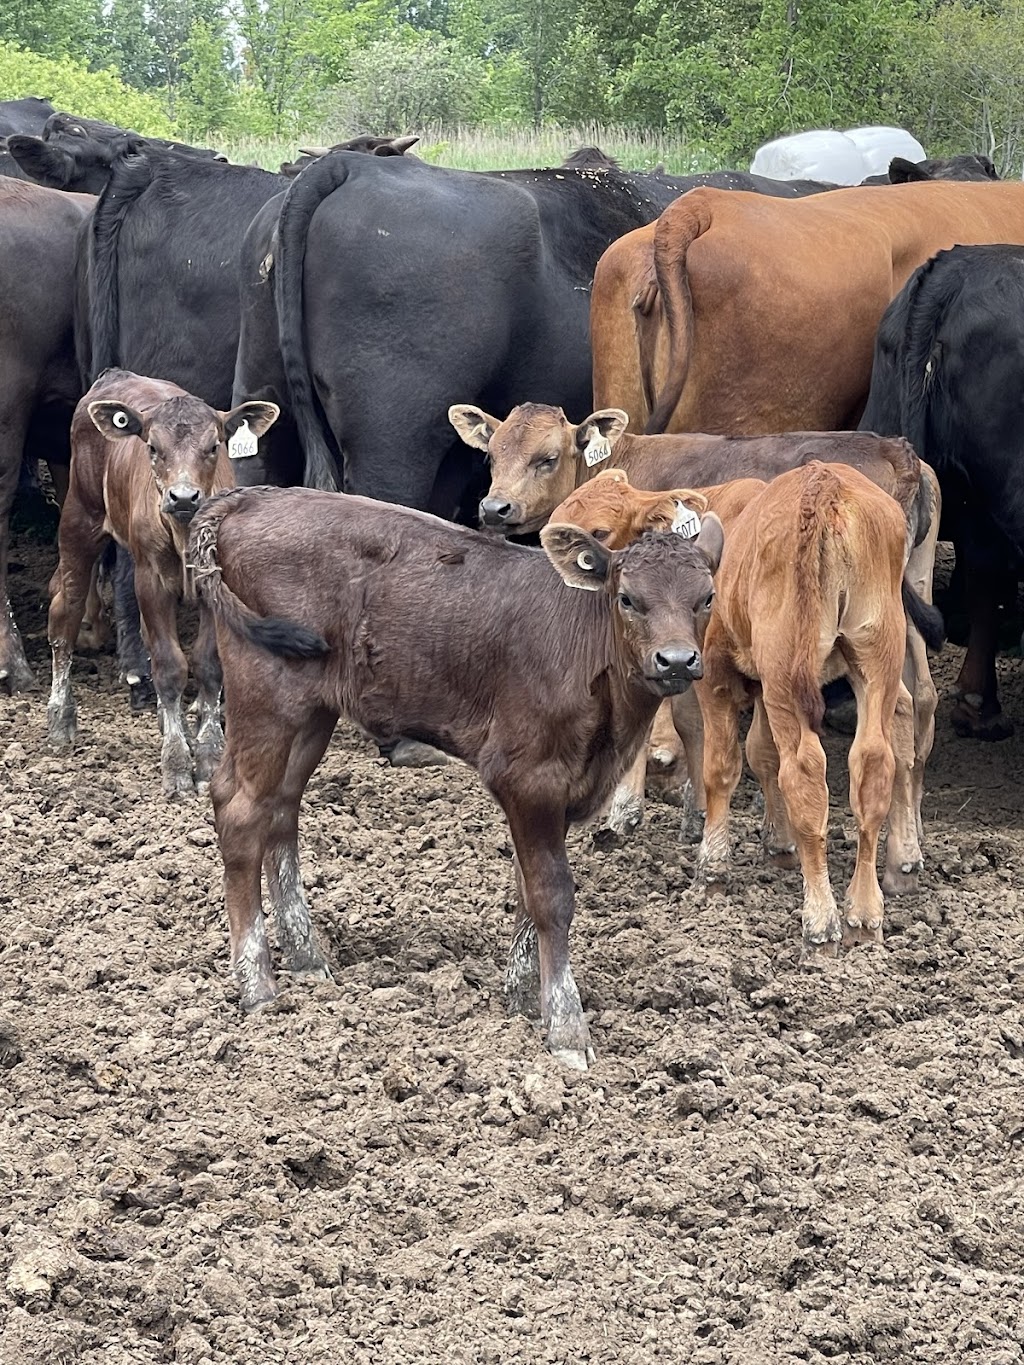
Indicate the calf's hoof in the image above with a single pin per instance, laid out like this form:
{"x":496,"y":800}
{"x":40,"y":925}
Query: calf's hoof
{"x":411,"y":753}
{"x":855,"y":933}
{"x":902,"y":880}
{"x":785,"y":858}
{"x":623,"y":819}
{"x":307,"y":961}
{"x":206,"y":764}
{"x":980,"y":722}
{"x":141,"y":696}
{"x":16,"y":676}
{"x":178,"y":785}
{"x":568,"y":1041}
{"x":817,"y":947}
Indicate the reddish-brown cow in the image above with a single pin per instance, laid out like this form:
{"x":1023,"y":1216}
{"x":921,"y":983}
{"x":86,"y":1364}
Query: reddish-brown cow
{"x":144,"y":456}
{"x":412,"y":626}
{"x":741,"y":313}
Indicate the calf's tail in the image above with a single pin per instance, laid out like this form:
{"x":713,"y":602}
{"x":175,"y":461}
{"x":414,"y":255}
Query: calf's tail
{"x":276,"y":634}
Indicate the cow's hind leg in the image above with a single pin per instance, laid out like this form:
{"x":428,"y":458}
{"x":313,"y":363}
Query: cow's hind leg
{"x":539,"y":837}
{"x":903,"y":856}
{"x":805,"y":792}
{"x":15,"y":674}
{"x":917,"y":678}
{"x":777,"y":837}
{"x":300,"y":951}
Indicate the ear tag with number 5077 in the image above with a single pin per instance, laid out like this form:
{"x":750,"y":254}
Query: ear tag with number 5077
{"x":686,"y":521}
{"x":243,"y":443}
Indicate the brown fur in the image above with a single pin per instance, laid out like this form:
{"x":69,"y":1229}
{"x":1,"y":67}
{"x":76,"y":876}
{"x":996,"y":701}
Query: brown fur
{"x":448,"y":636}
{"x":770,"y":306}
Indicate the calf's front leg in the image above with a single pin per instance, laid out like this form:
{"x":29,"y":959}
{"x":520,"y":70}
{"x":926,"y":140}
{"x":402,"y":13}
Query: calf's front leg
{"x":539,"y":838}
{"x":69,"y":589}
{"x":209,"y":743}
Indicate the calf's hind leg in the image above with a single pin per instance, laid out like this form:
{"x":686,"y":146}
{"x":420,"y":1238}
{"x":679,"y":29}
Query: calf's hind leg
{"x":244,"y":790}
{"x":209,"y":743}
{"x":300,"y":951}
{"x":69,"y":588}
{"x":170,"y":672}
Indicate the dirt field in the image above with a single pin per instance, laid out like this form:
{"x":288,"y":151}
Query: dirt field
{"x":767,"y":1163}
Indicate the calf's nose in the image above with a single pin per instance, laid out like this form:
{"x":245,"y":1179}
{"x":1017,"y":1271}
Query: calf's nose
{"x":182,"y":500}
{"x":678,"y":661}
{"x":496,"y":511}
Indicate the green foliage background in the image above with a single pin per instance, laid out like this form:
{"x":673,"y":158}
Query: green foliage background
{"x":716,"y":76}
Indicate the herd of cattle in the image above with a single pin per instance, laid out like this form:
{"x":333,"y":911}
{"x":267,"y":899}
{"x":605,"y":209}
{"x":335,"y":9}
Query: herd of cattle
{"x":204,"y":353}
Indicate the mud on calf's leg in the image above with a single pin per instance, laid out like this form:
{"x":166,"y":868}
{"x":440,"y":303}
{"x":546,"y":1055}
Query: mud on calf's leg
{"x":209,"y":744}
{"x":69,"y":588}
{"x":170,"y":672}
{"x":539,"y":838}
{"x":625,"y":811}
{"x":522,"y":970}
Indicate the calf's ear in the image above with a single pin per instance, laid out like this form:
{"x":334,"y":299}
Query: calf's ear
{"x":903,"y":172}
{"x":400,"y":145}
{"x":115,"y":420}
{"x":710,"y":540}
{"x":596,"y":435}
{"x":260,"y":416}
{"x":473,"y":424}
{"x":582,"y":561}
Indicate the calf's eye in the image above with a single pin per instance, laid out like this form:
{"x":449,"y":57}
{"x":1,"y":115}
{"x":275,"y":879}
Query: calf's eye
{"x":626,"y":602}
{"x":601,"y":535}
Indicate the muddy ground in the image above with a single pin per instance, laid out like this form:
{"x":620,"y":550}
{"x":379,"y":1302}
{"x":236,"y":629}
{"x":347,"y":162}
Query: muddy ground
{"x":768,"y":1163}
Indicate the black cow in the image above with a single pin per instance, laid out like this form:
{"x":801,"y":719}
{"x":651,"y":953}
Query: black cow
{"x":455,"y":285}
{"x":948,"y":371}
{"x":373,"y":146}
{"x":968,"y":166}
{"x":78,"y":153}
{"x":39,"y":230}
{"x":20,"y":116}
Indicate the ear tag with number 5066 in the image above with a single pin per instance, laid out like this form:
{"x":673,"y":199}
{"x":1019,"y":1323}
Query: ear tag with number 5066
{"x":686,"y":521}
{"x":243,"y":443}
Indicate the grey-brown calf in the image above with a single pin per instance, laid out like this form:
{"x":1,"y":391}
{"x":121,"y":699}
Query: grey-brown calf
{"x":144,"y":456}
{"x":412,"y":626}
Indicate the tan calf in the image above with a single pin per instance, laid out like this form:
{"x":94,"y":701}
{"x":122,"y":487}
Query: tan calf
{"x":144,"y":456}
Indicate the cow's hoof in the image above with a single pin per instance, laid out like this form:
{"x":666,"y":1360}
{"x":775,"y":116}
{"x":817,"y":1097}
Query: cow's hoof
{"x":568,"y":1041}
{"x":785,"y":859}
{"x":902,"y":881}
{"x":817,"y":949}
{"x":309,"y":962}
{"x":980,"y":722}
{"x":411,"y":753}
{"x":178,"y":786}
{"x":61,"y":728}
{"x":574,"y":1058}
{"x":141,"y":696}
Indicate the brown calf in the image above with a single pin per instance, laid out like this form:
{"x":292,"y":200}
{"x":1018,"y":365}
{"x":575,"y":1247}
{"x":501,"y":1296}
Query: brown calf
{"x":144,"y":455}
{"x":537,"y":458}
{"x":810,"y":588}
{"x":411,"y":626}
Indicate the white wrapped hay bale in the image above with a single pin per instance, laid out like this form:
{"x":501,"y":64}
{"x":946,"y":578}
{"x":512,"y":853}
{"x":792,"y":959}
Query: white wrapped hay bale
{"x":823,"y":154}
{"x":878,"y":145}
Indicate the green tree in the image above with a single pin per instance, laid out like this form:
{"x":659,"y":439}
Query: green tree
{"x":93,"y":94}
{"x":401,"y":84}
{"x":207,"y":100}
{"x":55,"y":28}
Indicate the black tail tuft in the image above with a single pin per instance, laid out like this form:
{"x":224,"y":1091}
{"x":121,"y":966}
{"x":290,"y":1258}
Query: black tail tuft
{"x":926,"y":618}
{"x":286,"y":638}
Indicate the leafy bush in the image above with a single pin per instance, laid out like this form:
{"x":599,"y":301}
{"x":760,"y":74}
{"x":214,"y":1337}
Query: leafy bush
{"x":93,"y":94}
{"x":402,"y":83}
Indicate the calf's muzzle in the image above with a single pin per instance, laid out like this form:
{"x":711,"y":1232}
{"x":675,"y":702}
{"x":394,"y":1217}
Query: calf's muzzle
{"x":181,"y":501}
{"x":673,"y":667}
{"x":499,"y":512}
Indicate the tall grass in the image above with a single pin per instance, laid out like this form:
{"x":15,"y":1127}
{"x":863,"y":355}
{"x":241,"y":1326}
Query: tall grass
{"x":499,"y":147}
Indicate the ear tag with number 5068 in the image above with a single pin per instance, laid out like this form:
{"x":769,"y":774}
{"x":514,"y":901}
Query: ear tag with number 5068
{"x":243,"y":443}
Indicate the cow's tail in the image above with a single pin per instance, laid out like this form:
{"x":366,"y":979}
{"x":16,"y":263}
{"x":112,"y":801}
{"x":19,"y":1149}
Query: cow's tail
{"x":304,"y":197}
{"x":276,"y":634}
{"x":930,"y":292}
{"x":925,"y":617}
{"x":130,"y":177}
{"x":678,"y":227}
{"x":647,"y":316}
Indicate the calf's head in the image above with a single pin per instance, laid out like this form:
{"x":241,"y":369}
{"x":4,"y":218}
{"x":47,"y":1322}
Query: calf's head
{"x":536,"y":457}
{"x":616,"y":514}
{"x":186,"y":439}
{"x":661,"y":589}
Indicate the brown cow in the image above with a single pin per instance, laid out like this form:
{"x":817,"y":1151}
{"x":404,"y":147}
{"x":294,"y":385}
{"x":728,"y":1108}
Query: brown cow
{"x":810,"y":588}
{"x":144,"y":455}
{"x":412,"y":626}
{"x":537,"y":458}
{"x":740,"y":313}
